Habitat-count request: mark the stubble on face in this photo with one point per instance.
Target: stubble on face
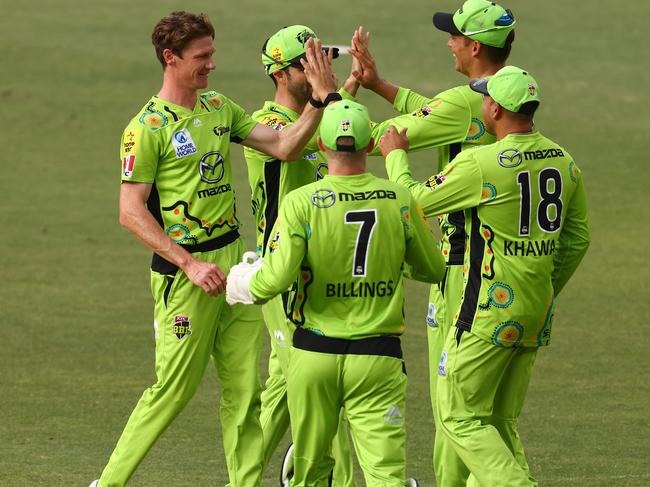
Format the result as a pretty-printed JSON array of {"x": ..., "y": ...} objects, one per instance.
[{"x": 298, "y": 86}]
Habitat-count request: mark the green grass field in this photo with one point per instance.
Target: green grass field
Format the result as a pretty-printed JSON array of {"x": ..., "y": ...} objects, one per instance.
[{"x": 77, "y": 342}]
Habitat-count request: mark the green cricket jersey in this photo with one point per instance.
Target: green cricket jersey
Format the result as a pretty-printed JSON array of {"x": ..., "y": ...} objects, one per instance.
[
  {"x": 526, "y": 213},
  {"x": 345, "y": 238},
  {"x": 185, "y": 155},
  {"x": 271, "y": 179},
  {"x": 452, "y": 121}
]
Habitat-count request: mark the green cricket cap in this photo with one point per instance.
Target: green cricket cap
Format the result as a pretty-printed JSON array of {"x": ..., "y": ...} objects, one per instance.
[
  {"x": 287, "y": 47},
  {"x": 345, "y": 119},
  {"x": 480, "y": 20},
  {"x": 511, "y": 87}
]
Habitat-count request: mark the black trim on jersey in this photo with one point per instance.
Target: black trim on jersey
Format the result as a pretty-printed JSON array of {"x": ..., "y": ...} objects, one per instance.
[
  {"x": 473, "y": 286},
  {"x": 441, "y": 286},
  {"x": 204, "y": 105},
  {"x": 457, "y": 239},
  {"x": 272, "y": 171},
  {"x": 454, "y": 150},
  {"x": 459, "y": 334},
  {"x": 235, "y": 139},
  {"x": 457, "y": 219},
  {"x": 385, "y": 346},
  {"x": 168, "y": 287},
  {"x": 173, "y": 114},
  {"x": 163, "y": 266}
]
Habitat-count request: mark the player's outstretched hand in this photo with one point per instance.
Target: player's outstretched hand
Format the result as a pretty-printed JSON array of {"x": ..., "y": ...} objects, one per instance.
[
  {"x": 392, "y": 140},
  {"x": 239, "y": 278},
  {"x": 367, "y": 73},
  {"x": 207, "y": 276},
  {"x": 318, "y": 70}
]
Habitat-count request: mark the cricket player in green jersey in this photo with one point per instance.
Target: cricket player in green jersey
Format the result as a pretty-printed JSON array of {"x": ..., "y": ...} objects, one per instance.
[
  {"x": 270, "y": 180},
  {"x": 481, "y": 36},
  {"x": 526, "y": 218},
  {"x": 177, "y": 197},
  {"x": 344, "y": 239}
]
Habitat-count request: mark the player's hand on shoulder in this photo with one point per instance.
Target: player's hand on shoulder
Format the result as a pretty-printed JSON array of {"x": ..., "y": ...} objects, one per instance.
[
  {"x": 207, "y": 276},
  {"x": 318, "y": 70},
  {"x": 392, "y": 140}
]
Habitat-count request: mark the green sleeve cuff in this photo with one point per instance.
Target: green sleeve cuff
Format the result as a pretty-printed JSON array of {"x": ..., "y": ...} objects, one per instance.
[{"x": 400, "y": 99}]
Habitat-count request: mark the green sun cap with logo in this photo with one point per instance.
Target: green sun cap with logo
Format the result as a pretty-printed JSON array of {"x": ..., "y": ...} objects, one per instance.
[
  {"x": 480, "y": 20},
  {"x": 345, "y": 119},
  {"x": 511, "y": 87},
  {"x": 287, "y": 47}
]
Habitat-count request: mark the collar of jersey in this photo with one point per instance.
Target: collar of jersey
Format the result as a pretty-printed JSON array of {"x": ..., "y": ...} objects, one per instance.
[
  {"x": 179, "y": 108},
  {"x": 288, "y": 113},
  {"x": 356, "y": 178}
]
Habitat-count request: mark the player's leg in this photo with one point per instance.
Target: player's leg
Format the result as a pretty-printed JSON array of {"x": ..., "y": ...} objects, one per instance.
[
  {"x": 185, "y": 329},
  {"x": 274, "y": 417},
  {"x": 471, "y": 371},
  {"x": 314, "y": 398},
  {"x": 236, "y": 354},
  {"x": 449, "y": 469},
  {"x": 509, "y": 401},
  {"x": 375, "y": 400},
  {"x": 343, "y": 474}
]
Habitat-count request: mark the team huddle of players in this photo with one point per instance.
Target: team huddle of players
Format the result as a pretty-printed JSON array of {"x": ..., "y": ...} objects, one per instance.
[{"x": 334, "y": 245}]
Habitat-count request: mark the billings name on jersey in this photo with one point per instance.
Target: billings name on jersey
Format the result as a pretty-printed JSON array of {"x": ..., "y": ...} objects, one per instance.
[{"x": 360, "y": 289}]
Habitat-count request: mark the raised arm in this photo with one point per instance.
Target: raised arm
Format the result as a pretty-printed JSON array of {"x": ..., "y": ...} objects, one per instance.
[
  {"x": 289, "y": 143},
  {"x": 458, "y": 187}
]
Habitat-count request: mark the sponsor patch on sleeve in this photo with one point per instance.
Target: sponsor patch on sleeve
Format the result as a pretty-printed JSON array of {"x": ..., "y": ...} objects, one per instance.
[{"x": 128, "y": 163}]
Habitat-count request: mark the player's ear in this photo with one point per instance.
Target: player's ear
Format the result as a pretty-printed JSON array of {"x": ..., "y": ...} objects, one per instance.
[
  {"x": 371, "y": 145},
  {"x": 168, "y": 57},
  {"x": 280, "y": 77},
  {"x": 319, "y": 141},
  {"x": 477, "y": 47}
]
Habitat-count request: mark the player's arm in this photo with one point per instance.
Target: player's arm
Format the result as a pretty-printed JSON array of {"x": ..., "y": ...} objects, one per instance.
[
  {"x": 288, "y": 144},
  {"x": 135, "y": 216},
  {"x": 422, "y": 251},
  {"x": 445, "y": 121},
  {"x": 284, "y": 254},
  {"x": 574, "y": 238},
  {"x": 458, "y": 187}
]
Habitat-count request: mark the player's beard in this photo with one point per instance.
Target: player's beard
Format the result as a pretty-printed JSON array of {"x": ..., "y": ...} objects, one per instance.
[{"x": 301, "y": 92}]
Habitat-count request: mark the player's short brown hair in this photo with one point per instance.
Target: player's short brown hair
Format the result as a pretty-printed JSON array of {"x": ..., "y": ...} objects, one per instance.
[
  {"x": 499, "y": 55},
  {"x": 177, "y": 30}
]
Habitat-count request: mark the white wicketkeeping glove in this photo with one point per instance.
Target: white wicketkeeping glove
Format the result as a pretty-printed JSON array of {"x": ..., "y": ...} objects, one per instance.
[{"x": 240, "y": 277}]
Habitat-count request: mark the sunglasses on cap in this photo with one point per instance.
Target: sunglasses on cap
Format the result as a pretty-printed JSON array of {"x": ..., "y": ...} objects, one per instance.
[{"x": 506, "y": 20}]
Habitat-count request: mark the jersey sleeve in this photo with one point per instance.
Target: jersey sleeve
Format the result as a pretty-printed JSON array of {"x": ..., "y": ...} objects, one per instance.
[
  {"x": 408, "y": 101},
  {"x": 422, "y": 251},
  {"x": 442, "y": 121},
  {"x": 457, "y": 187},
  {"x": 139, "y": 153},
  {"x": 574, "y": 238},
  {"x": 242, "y": 123},
  {"x": 284, "y": 254}
]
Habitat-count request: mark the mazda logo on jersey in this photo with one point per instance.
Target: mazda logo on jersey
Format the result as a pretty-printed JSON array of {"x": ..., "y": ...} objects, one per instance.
[
  {"x": 211, "y": 167},
  {"x": 323, "y": 198},
  {"x": 509, "y": 158}
]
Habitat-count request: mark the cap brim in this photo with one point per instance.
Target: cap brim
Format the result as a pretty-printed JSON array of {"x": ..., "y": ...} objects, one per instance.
[
  {"x": 445, "y": 22},
  {"x": 479, "y": 85}
]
